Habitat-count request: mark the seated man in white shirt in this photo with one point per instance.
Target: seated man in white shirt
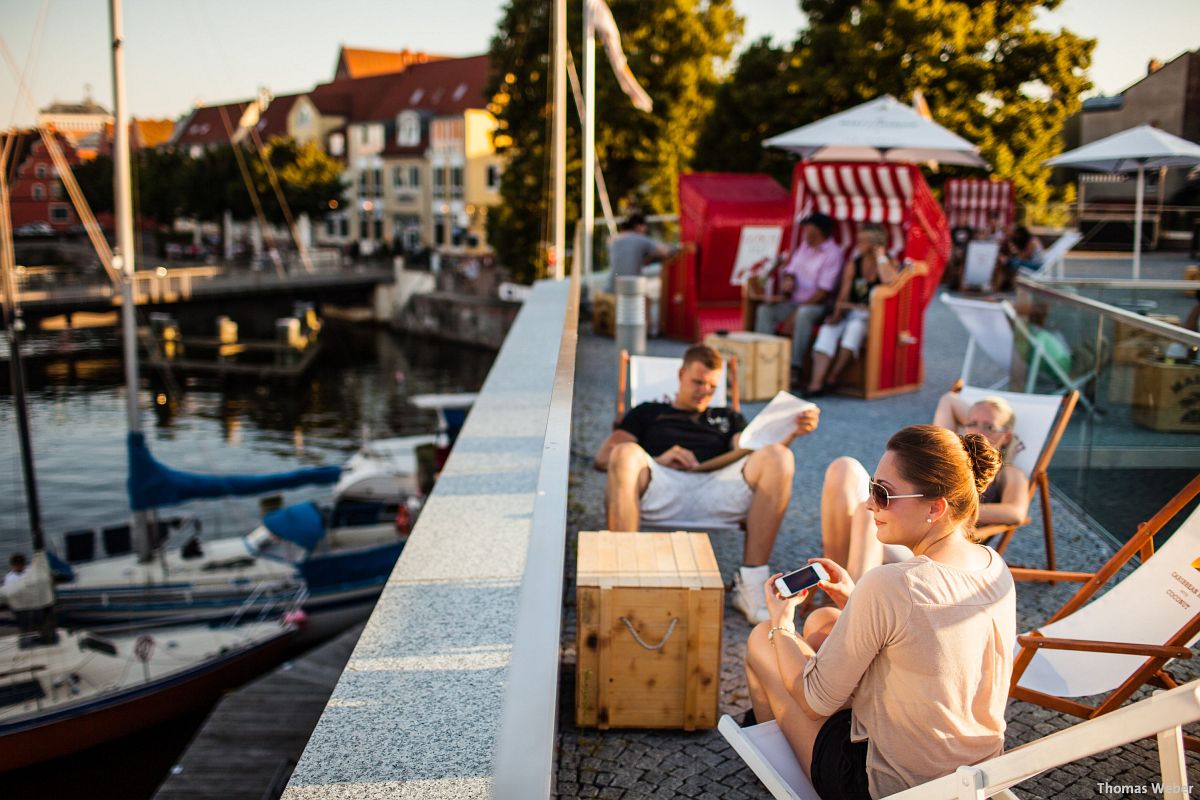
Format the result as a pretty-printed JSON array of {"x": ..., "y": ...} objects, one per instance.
[
  {"x": 651, "y": 459},
  {"x": 16, "y": 570}
]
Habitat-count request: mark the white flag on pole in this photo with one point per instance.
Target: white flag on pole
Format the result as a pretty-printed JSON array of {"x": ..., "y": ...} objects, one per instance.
[{"x": 606, "y": 30}]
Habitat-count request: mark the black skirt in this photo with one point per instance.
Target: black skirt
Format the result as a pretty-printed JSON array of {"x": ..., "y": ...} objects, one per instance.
[{"x": 839, "y": 766}]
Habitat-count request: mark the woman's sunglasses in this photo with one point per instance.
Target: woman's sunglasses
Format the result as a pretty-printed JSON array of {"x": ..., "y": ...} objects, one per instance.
[
  {"x": 981, "y": 426},
  {"x": 879, "y": 494}
]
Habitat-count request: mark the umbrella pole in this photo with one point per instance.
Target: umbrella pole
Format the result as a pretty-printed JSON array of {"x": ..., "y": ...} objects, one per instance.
[
  {"x": 588, "y": 210},
  {"x": 1137, "y": 223}
]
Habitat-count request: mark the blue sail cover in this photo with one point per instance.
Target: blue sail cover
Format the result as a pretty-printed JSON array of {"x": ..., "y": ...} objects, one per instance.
[
  {"x": 303, "y": 524},
  {"x": 152, "y": 485}
]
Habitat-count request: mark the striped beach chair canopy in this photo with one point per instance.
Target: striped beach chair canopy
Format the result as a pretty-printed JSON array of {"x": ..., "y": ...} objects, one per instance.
[
  {"x": 893, "y": 195},
  {"x": 971, "y": 202}
]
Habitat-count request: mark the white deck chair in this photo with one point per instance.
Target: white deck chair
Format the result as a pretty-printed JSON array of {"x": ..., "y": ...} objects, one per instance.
[
  {"x": 1041, "y": 421},
  {"x": 766, "y": 751},
  {"x": 992, "y": 326},
  {"x": 1121, "y": 640},
  {"x": 1054, "y": 256},
  {"x": 656, "y": 379},
  {"x": 979, "y": 264}
]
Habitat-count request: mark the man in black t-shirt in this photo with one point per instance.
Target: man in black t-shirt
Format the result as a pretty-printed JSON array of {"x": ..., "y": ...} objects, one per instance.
[{"x": 652, "y": 459}]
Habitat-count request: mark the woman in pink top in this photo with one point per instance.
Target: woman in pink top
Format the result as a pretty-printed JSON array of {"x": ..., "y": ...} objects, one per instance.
[{"x": 907, "y": 678}]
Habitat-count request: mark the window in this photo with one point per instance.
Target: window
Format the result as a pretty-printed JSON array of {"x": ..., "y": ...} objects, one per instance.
[
  {"x": 39, "y": 192},
  {"x": 56, "y": 191},
  {"x": 493, "y": 177},
  {"x": 302, "y": 115},
  {"x": 40, "y": 170},
  {"x": 456, "y": 183},
  {"x": 59, "y": 213},
  {"x": 378, "y": 175},
  {"x": 439, "y": 182},
  {"x": 408, "y": 129},
  {"x": 345, "y": 225},
  {"x": 337, "y": 144},
  {"x": 398, "y": 174},
  {"x": 439, "y": 229},
  {"x": 379, "y": 229},
  {"x": 330, "y": 226},
  {"x": 365, "y": 133},
  {"x": 364, "y": 189},
  {"x": 414, "y": 177},
  {"x": 364, "y": 228},
  {"x": 459, "y": 91}
]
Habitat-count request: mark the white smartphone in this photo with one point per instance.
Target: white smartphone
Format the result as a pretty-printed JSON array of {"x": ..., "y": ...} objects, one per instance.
[{"x": 803, "y": 578}]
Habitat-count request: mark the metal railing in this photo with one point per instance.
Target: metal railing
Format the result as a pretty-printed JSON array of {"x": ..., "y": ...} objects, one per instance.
[{"x": 524, "y": 761}]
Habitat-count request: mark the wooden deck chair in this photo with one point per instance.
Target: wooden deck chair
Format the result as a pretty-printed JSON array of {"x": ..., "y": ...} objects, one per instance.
[
  {"x": 655, "y": 378},
  {"x": 1121, "y": 640},
  {"x": 992, "y": 326},
  {"x": 980, "y": 263},
  {"x": 1054, "y": 256},
  {"x": 1041, "y": 421},
  {"x": 768, "y": 754}
]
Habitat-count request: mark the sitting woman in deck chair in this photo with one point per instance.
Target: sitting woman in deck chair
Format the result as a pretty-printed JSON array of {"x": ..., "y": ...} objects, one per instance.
[
  {"x": 848, "y": 533},
  {"x": 841, "y": 336},
  {"x": 907, "y": 678}
]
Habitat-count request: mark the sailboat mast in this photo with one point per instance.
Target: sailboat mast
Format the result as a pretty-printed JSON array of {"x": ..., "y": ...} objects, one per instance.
[
  {"x": 13, "y": 325},
  {"x": 125, "y": 257}
]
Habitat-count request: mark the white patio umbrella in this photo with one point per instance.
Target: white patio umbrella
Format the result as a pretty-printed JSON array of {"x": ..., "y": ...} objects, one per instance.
[
  {"x": 1127, "y": 151},
  {"x": 883, "y": 129}
]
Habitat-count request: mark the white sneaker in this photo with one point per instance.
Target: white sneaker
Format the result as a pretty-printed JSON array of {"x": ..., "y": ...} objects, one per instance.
[{"x": 748, "y": 595}]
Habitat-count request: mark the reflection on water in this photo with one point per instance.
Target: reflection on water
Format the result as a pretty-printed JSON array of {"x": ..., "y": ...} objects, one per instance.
[{"x": 359, "y": 388}]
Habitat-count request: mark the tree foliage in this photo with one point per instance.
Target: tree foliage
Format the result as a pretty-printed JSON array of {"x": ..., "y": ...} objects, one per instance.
[
  {"x": 676, "y": 48},
  {"x": 986, "y": 71},
  {"x": 168, "y": 184}
]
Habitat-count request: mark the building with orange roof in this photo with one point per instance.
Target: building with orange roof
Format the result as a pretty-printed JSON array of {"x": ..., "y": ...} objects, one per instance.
[
  {"x": 421, "y": 167},
  {"x": 360, "y": 62}
]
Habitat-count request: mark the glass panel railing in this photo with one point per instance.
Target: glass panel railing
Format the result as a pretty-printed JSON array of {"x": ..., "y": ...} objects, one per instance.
[{"x": 1134, "y": 440}]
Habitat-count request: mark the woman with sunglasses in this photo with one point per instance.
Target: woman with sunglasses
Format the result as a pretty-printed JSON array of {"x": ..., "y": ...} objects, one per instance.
[
  {"x": 907, "y": 678},
  {"x": 848, "y": 533}
]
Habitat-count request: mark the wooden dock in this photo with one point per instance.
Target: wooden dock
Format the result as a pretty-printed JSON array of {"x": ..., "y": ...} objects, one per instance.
[{"x": 251, "y": 741}]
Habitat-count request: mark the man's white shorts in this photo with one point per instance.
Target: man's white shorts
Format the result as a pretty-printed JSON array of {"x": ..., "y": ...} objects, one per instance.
[{"x": 717, "y": 499}]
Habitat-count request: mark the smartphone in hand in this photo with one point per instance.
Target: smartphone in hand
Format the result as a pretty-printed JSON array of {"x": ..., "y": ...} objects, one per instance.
[{"x": 804, "y": 578}]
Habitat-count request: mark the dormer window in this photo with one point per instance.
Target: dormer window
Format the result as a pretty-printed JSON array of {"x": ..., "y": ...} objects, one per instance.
[
  {"x": 417, "y": 94},
  {"x": 460, "y": 91},
  {"x": 408, "y": 129}
]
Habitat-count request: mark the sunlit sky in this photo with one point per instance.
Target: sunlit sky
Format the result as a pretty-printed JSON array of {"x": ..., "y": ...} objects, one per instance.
[{"x": 186, "y": 51}]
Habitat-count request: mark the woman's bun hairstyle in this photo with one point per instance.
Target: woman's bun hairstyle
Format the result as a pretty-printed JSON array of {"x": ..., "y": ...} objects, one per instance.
[{"x": 985, "y": 460}]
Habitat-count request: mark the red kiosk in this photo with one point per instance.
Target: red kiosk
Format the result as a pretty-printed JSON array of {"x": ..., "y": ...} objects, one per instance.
[{"x": 697, "y": 296}]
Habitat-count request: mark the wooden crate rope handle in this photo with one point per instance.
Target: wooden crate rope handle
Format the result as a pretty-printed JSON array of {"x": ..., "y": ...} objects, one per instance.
[{"x": 639, "y": 640}]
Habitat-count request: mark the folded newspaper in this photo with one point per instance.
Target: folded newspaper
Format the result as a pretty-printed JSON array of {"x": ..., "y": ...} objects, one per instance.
[{"x": 773, "y": 424}]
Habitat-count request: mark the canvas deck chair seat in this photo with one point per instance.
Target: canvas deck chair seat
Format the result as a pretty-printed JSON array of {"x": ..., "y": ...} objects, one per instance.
[
  {"x": 1041, "y": 420},
  {"x": 896, "y": 197},
  {"x": 768, "y": 754},
  {"x": 649, "y": 379},
  {"x": 993, "y": 327},
  {"x": 1113, "y": 644},
  {"x": 1055, "y": 255}
]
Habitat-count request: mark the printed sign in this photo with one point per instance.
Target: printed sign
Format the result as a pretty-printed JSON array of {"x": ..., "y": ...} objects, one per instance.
[{"x": 757, "y": 247}]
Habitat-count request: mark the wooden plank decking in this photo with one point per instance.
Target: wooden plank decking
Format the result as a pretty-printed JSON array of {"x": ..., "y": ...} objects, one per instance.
[{"x": 249, "y": 744}]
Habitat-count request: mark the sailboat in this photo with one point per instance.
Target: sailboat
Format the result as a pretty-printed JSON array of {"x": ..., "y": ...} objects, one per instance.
[{"x": 63, "y": 691}]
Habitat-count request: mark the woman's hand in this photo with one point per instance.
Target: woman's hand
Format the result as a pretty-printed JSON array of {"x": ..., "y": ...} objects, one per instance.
[
  {"x": 782, "y": 609},
  {"x": 839, "y": 586}
]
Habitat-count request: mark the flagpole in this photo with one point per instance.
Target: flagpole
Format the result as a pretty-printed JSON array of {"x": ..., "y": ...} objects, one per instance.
[
  {"x": 1137, "y": 222},
  {"x": 588, "y": 211},
  {"x": 560, "y": 137}
]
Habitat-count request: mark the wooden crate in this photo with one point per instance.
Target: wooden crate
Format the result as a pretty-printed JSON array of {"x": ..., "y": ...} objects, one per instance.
[
  {"x": 1166, "y": 397},
  {"x": 604, "y": 314},
  {"x": 666, "y": 588},
  {"x": 764, "y": 361}
]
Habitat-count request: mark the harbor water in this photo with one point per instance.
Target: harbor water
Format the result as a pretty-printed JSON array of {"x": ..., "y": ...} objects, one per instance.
[{"x": 357, "y": 389}]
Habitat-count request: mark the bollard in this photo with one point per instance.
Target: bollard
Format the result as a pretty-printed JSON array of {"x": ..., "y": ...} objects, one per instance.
[{"x": 631, "y": 314}]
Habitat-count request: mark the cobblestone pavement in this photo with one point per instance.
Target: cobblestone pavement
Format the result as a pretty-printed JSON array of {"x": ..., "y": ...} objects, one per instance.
[{"x": 634, "y": 764}]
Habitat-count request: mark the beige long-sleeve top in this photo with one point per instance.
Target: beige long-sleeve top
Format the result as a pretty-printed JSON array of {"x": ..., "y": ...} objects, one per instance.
[{"x": 924, "y": 650}]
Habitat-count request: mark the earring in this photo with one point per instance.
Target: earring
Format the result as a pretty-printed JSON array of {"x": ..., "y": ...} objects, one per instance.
[{"x": 929, "y": 519}]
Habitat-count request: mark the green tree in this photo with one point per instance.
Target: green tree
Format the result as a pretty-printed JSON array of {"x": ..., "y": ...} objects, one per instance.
[
  {"x": 676, "y": 48},
  {"x": 986, "y": 71},
  {"x": 307, "y": 176}
]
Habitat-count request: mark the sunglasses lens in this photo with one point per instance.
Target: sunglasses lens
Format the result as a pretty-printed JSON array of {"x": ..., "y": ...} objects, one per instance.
[{"x": 879, "y": 495}]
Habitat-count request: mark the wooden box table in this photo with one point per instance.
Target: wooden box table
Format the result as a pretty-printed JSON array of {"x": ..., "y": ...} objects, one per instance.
[
  {"x": 649, "y": 631},
  {"x": 764, "y": 361}
]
